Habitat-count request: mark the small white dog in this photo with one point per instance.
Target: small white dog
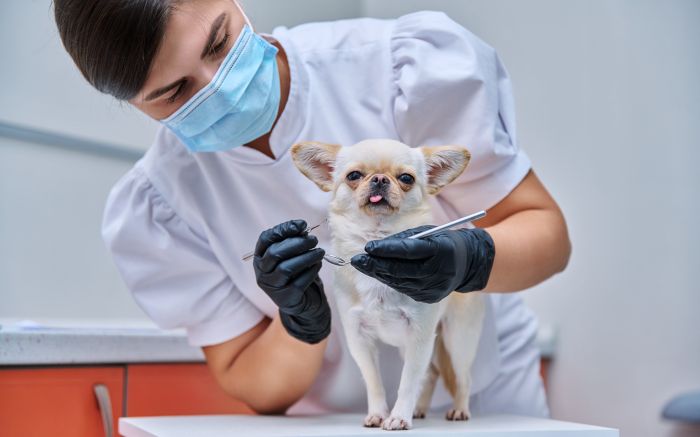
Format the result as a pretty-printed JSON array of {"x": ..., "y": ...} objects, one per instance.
[{"x": 433, "y": 339}]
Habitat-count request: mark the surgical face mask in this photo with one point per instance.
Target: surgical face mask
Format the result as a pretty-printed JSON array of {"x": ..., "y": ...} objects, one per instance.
[{"x": 240, "y": 103}]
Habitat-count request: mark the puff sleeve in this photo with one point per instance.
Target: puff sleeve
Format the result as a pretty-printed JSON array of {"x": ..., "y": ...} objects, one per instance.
[
  {"x": 451, "y": 88},
  {"x": 170, "y": 270}
]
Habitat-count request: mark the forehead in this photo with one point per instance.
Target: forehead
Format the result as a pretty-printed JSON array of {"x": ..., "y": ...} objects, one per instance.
[
  {"x": 185, "y": 36},
  {"x": 380, "y": 154}
]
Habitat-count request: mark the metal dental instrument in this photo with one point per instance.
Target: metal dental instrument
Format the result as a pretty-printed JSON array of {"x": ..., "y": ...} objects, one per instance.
[
  {"x": 459, "y": 221},
  {"x": 250, "y": 254},
  {"x": 338, "y": 261}
]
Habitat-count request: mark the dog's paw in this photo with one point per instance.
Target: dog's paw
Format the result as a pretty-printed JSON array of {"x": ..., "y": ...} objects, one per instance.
[
  {"x": 374, "y": 420},
  {"x": 419, "y": 413},
  {"x": 394, "y": 423},
  {"x": 456, "y": 414}
]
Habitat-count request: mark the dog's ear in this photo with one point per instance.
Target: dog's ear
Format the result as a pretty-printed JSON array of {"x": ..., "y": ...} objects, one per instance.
[
  {"x": 316, "y": 161},
  {"x": 444, "y": 164}
]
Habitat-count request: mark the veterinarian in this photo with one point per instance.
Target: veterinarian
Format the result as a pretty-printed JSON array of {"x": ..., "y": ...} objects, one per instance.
[{"x": 218, "y": 181}]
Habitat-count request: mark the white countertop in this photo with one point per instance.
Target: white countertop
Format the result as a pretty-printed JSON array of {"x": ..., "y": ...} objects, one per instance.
[
  {"x": 91, "y": 342},
  {"x": 349, "y": 425},
  {"x": 61, "y": 341}
]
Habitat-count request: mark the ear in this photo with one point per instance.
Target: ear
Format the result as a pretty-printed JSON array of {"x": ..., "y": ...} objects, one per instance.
[
  {"x": 444, "y": 164},
  {"x": 316, "y": 161}
]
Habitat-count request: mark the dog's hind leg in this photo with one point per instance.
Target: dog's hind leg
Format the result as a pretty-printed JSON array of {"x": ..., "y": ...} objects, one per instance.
[{"x": 461, "y": 329}]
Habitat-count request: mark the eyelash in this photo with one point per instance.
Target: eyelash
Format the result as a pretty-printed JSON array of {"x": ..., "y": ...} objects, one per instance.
[
  {"x": 217, "y": 48},
  {"x": 177, "y": 93},
  {"x": 214, "y": 50}
]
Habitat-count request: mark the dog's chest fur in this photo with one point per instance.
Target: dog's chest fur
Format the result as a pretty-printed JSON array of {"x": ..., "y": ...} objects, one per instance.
[
  {"x": 377, "y": 310},
  {"x": 382, "y": 312}
]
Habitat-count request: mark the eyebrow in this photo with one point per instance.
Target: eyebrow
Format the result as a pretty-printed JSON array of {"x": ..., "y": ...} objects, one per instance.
[
  {"x": 215, "y": 26},
  {"x": 160, "y": 91}
]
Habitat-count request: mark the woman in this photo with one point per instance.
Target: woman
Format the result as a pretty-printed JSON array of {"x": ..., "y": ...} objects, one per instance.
[{"x": 231, "y": 103}]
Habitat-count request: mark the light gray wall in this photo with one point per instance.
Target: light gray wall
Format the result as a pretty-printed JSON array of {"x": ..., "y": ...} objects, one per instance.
[
  {"x": 53, "y": 263},
  {"x": 41, "y": 87},
  {"x": 608, "y": 106},
  {"x": 267, "y": 14}
]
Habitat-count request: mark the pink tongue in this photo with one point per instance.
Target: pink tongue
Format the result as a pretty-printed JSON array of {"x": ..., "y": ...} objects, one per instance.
[{"x": 376, "y": 198}]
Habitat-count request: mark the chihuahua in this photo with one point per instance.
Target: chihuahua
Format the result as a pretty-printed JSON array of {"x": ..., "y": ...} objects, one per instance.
[{"x": 381, "y": 187}]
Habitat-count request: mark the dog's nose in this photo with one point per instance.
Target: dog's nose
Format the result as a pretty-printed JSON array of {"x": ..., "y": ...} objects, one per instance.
[{"x": 379, "y": 180}]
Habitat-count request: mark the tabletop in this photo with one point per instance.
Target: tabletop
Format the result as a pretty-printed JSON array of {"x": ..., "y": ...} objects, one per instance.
[{"x": 349, "y": 425}]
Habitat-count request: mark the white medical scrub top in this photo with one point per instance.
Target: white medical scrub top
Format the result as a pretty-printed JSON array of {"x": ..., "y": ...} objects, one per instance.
[{"x": 178, "y": 223}]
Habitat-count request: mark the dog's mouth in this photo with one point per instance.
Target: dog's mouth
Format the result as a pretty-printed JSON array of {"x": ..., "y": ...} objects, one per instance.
[
  {"x": 377, "y": 202},
  {"x": 376, "y": 198}
]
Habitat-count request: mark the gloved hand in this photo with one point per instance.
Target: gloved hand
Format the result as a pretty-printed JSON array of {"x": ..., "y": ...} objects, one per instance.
[
  {"x": 430, "y": 268},
  {"x": 286, "y": 268}
]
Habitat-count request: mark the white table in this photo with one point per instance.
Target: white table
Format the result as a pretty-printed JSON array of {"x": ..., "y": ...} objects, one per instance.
[{"x": 349, "y": 425}]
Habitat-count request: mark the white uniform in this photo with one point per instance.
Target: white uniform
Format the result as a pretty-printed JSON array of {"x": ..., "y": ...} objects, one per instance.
[{"x": 177, "y": 224}]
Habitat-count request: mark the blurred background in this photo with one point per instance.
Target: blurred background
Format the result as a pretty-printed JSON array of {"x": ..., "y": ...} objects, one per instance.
[{"x": 608, "y": 107}]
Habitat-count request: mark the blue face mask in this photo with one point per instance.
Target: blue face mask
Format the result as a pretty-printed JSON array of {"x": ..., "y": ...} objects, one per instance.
[{"x": 239, "y": 105}]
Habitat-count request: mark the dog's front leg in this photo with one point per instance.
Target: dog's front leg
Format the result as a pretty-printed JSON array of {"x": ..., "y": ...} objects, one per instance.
[
  {"x": 418, "y": 352},
  {"x": 363, "y": 349}
]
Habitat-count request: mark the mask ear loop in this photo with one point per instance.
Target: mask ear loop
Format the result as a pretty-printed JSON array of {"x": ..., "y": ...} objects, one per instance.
[{"x": 247, "y": 21}]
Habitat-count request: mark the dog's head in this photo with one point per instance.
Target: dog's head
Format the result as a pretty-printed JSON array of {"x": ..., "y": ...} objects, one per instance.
[{"x": 380, "y": 177}]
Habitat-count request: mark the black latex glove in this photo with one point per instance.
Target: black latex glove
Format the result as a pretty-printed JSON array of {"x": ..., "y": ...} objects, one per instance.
[
  {"x": 430, "y": 268},
  {"x": 286, "y": 267}
]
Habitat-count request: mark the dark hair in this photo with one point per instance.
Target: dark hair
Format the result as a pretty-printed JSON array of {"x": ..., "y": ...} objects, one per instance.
[{"x": 113, "y": 42}]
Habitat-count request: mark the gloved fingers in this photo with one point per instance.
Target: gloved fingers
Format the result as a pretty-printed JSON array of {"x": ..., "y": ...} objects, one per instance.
[
  {"x": 403, "y": 248},
  {"x": 286, "y": 298},
  {"x": 306, "y": 278},
  {"x": 371, "y": 245},
  {"x": 398, "y": 269},
  {"x": 278, "y": 233},
  {"x": 413, "y": 231},
  {"x": 363, "y": 263},
  {"x": 285, "y": 249},
  {"x": 292, "y": 293},
  {"x": 313, "y": 301},
  {"x": 290, "y": 268}
]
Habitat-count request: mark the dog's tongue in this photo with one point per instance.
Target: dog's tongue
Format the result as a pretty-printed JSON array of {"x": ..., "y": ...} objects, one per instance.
[{"x": 376, "y": 198}]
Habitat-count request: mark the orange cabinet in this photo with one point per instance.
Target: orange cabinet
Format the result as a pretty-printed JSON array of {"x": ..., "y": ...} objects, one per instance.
[
  {"x": 171, "y": 389},
  {"x": 60, "y": 401},
  {"x": 57, "y": 401}
]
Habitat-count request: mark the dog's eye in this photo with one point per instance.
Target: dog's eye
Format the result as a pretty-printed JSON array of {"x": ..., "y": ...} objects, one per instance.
[
  {"x": 406, "y": 178},
  {"x": 353, "y": 176}
]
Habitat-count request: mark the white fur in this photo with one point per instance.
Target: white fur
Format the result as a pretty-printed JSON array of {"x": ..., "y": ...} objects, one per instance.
[{"x": 371, "y": 311}]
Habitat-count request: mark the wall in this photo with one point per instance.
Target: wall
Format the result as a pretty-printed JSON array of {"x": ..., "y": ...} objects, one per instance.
[
  {"x": 40, "y": 85},
  {"x": 267, "y": 14},
  {"x": 608, "y": 104},
  {"x": 52, "y": 259}
]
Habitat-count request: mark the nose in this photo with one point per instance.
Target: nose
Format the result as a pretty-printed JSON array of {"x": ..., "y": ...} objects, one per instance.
[
  {"x": 379, "y": 180},
  {"x": 207, "y": 72}
]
